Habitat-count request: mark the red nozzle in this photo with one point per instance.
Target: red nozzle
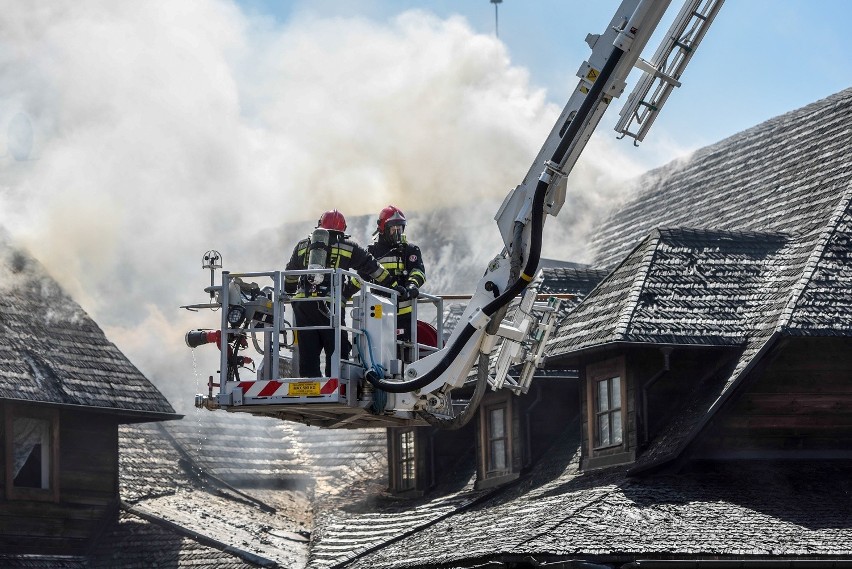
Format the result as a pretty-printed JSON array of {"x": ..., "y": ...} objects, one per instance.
[{"x": 195, "y": 338}]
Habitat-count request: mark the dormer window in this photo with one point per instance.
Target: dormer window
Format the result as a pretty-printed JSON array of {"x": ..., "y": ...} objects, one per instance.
[
  {"x": 500, "y": 454},
  {"x": 607, "y": 439},
  {"x": 408, "y": 460}
]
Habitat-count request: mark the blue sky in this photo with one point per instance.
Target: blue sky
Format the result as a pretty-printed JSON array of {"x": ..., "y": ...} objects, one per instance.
[{"x": 761, "y": 58}]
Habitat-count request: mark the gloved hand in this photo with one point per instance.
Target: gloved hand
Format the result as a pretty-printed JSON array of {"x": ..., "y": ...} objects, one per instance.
[
  {"x": 401, "y": 291},
  {"x": 413, "y": 291}
]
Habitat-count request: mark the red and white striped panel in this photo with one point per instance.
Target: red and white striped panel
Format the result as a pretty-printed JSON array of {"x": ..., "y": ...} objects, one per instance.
[{"x": 273, "y": 388}]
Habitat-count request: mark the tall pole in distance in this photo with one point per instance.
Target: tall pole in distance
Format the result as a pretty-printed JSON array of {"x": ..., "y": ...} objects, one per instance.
[{"x": 496, "y": 23}]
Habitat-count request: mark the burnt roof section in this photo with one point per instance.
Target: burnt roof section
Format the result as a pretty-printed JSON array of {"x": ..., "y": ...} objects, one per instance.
[
  {"x": 135, "y": 542},
  {"x": 179, "y": 496},
  {"x": 53, "y": 352}
]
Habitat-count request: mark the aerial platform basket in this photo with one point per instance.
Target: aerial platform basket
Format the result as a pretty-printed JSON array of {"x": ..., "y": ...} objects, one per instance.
[{"x": 255, "y": 315}]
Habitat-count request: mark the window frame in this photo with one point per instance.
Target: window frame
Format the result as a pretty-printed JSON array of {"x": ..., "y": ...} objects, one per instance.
[
  {"x": 51, "y": 493},
  {"x": 615, "y": 384},
  {"x": 405, "y": 462},
  {"x": 595, "y": 372},
  {"x": 487, "y": 440}
]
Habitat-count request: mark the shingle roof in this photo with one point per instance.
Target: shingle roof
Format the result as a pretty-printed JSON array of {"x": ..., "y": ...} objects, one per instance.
[
  {"x": 784, "y": 175},
  {"x": 135, "y": 543},
  {"x": 571, "y": 280},
  {"x": 822, "y": 304},
  {"x": 42, "y": 562},
  {"x": 720, "y": 511},
  {"x": 679, "y": 286},
  {"x": 53, "y": 352},
  {"x": 346, "y": 530}
]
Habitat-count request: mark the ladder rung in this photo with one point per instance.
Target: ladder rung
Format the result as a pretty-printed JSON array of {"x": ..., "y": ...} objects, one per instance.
[{"x": 683, "y": 46}]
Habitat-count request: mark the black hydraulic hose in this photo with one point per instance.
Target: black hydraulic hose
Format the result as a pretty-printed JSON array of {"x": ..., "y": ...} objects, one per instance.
[
  {"x": 469, "y": 411},
  {"x": 537, "y": 225},
  {"x": 489, "y": 309},
  {"x": 589, "y": 103}
]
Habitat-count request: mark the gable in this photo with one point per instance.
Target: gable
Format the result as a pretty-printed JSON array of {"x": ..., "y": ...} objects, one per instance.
[{"x": 53, "y": 352}]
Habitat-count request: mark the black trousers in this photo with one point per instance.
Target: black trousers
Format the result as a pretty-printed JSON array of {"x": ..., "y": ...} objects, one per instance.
[{"x": 312, "y": 342}]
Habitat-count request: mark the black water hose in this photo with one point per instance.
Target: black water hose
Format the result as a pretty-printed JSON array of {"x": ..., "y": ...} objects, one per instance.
[{"x": 537, "y": 225}]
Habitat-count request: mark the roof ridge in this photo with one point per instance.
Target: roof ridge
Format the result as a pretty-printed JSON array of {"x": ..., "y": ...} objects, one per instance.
[
  {"x": 816, "y": 255},
  {"x": 705, "y": 231},
  {"x": 638, "y": 284}
]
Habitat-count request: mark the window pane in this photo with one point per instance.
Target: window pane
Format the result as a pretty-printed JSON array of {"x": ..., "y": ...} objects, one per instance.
[
  {"x": 603, "y": 397},
  {"x": 603, "y": 430},
  {"x": 615, "y": 393},
  {"x": 31, "y": 453},
  {"x": 497, "y": 419},
  {"x": 406, "y": 443},
  {"x": 497, "y": 440},
  {"x": 408, "y": 474},
  {"x": 616, "y": 427},
  {"x": 498, "y": 455},
  {"x": 407, "y": 465}
]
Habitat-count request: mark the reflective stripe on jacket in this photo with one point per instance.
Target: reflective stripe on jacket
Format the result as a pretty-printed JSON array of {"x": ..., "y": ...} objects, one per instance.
[
  {"x": 404, "y": 262},
  {"x": 343, "y": 254}
]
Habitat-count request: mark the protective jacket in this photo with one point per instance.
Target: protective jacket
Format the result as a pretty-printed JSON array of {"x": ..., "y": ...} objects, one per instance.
[{"x": 404, "y": 263}]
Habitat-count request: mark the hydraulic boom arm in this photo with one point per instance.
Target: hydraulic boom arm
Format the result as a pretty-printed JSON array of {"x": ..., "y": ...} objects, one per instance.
[{"x": 521, "y": 217}]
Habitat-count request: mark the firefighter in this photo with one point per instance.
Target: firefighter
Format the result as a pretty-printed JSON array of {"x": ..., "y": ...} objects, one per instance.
[
  {"x": 340, "y": 252},
  {"x": 402, "y": 260}
]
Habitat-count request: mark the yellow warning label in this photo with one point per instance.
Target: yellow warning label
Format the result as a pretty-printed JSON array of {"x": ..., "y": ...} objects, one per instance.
[
  {"x": 592, "y": 75},
  {"x": 376, "y": 311},
  {"x": 302, "y": 388}
]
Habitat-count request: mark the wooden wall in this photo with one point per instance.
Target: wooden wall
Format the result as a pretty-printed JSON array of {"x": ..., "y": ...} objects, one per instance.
[
  {"x": 799, "y": 406},
  {"x": 87, "y": 496}
]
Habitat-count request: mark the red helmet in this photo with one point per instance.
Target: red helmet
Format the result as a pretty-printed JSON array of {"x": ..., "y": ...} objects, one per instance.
[
  {"x": 389, "y": 216},
  {"x": 332, "y": 220}
]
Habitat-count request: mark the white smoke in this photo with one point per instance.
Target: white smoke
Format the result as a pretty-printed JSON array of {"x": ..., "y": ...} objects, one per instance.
[{"x": 159, "y": 130}]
